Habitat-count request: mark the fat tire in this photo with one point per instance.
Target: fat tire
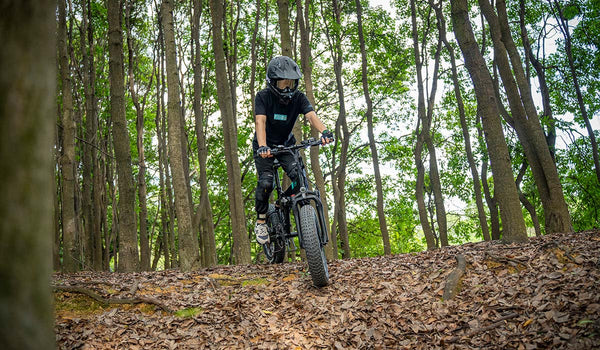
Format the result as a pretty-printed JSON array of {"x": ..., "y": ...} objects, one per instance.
[
  {"x": 275, "y": 249},
  {"x": 315, "y": 254}
]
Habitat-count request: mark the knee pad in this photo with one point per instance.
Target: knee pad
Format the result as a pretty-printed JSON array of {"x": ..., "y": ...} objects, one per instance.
[{"x": 265, "y": 184}]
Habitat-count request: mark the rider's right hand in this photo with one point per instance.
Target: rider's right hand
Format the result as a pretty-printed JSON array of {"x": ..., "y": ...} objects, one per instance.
[{"x": 264, "y": 151}]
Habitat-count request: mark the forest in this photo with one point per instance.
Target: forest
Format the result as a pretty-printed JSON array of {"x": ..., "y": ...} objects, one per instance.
[
  {"x": 454, "y": 121},
  {"x": 461, "y": 193}
]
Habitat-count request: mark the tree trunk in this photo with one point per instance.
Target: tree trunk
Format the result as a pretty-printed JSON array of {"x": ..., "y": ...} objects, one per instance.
[
  {"x": 189, "y": 258},
  {"x": 305, "y": 62},
  {"x": 526, "y": 203},
  {"x": 504, "y": 184},
  {"x": 284, "y": 27},
  {"x": 69, "y": 227},
  {"x": 27, "y": 100},
  {"x": 526, "y": 121},
  {"x": 241, "y": 243},
  {"x": 89, "y": 152},
  {"x": 541, "y": 75},
  {"x": 420, "y": 183},
  {"x": 128, "y": 242},
  {"x": 490, "y": 200},
  {"x": 564, "y": 27},
  {"x": 206, "y": 225},
  {"x": 342, "y": 134},
  {"x": 253, "y": 56},
  {"x": 139, "y": 111},
  {"x": 463, "y": 123},
  {"x": 378, "y": 183}
]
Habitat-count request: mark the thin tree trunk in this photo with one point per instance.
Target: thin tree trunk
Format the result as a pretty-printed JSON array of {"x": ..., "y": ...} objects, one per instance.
[
  {"x": 89, "y": 152},
  {"x": 305, "y": 62},
  {"x": 463, "y": 122},
  {"x": 504, "y": 184},
  {"x": 564, "y": 27},
  {"x": 420, "y": 183},
  {"x": 206, "y": 225},
  {"x": 378, "y": 183},
  {"x": 164, "y": 216},
  {"x": 526, "y": 203},
  {"x": 547, "y": 115},
  {"x": 27, "y": 100},
  {"x": 253, "y": 56},
  {"x": 97, "y": 170},
  {"x": 343, "y": 135},
  {"x": 69, "y": 227},
  {"x": 284, "y": 27},
  {"x": 139, "y": 109},
  {"x": 241, "y": 243},
  {"x": 189, "y": 258}
]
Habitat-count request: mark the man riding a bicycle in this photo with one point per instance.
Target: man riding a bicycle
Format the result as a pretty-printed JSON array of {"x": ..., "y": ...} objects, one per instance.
[{"x": 276, "y": 109}]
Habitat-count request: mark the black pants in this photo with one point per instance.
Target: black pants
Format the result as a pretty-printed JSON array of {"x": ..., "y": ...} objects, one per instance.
[{"x": 266, "y": 179}]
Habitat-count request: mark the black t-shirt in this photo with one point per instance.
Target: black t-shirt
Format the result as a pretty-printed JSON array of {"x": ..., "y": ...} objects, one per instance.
[{"x": 280, "y": 118}]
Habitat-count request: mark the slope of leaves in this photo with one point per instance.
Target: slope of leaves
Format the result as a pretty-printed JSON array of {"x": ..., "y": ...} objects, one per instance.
[{"x": 542, "y": 294}]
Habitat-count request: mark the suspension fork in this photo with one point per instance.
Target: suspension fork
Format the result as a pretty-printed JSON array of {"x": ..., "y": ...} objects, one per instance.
[{"x": 308, "y": 198}]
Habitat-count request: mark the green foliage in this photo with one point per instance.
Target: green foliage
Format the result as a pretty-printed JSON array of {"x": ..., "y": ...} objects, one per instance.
[{"x": 390, "y": 70}]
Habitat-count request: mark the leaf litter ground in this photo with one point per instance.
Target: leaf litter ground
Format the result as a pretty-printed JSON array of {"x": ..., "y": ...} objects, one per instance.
[{"x": 541, "y": 294}]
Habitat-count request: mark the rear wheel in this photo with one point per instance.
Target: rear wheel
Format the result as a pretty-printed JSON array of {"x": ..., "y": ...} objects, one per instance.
[
  {"x": 315, "y": 253},
  {"x": 275, "y": 249}
]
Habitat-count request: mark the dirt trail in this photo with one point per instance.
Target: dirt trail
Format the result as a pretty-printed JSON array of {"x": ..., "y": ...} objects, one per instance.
[{"x": 542, "y": 294}]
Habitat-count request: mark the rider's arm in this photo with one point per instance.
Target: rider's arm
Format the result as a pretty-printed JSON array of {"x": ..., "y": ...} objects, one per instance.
[
  {"x": 261, "y": 132},
  {"x": 317, "y": 124},
  {"x": 314, "y": 121},
  {"x": 261, "y": 129}
]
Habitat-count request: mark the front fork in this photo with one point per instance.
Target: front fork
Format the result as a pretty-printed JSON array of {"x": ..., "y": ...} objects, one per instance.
[{"x": 306, "y": 198}]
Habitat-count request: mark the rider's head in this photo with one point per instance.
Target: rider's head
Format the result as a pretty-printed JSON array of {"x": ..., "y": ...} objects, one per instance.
[{"x": 283, "y": 76}]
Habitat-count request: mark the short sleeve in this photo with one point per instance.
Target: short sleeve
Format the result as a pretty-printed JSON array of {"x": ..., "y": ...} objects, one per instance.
[
  {"x": 305, "y": 105},
  {"x": 260, "y": 105}
]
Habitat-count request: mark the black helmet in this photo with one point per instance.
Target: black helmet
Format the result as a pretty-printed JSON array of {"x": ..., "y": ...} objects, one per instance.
[{"x": 283, "y": 67}]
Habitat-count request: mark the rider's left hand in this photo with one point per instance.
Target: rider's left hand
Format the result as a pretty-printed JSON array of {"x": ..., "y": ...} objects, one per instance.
[{"x": 326, "y": 137}]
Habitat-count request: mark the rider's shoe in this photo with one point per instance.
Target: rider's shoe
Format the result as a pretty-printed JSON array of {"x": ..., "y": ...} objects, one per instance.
[{"x": 262, "y": 233}]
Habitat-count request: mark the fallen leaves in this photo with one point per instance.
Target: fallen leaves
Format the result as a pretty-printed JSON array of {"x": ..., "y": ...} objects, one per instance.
[{"x": 541, "y": 294}]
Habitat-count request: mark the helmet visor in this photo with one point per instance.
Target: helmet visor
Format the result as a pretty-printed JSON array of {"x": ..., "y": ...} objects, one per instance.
[{"x": 284, "y": 84}]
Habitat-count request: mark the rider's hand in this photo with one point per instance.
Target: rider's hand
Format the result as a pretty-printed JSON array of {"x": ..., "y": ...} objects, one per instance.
[
  {"x": 264, "y": 151},
  {"x": 326, "y": 137}
]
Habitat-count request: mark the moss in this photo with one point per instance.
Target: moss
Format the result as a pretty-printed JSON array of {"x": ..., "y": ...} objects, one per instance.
[
  {"x": 76, "y": 305},
  {"x": 189, "y": 312},
  {"x": 255, "y": 282}
]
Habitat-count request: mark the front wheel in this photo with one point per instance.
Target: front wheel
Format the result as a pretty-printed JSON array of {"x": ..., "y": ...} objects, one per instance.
[{"x": 315, "y": 253}]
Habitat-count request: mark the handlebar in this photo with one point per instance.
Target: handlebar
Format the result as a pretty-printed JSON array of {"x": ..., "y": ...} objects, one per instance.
[{"x": 311, "y": 142}]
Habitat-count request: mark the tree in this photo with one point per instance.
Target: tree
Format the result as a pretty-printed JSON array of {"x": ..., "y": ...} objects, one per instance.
[
  {"x": 204, "y": 211},
  {"x": 27, "y": 97},
  {"x": 526, "y": 121},
  {"x": 140, "y": 106},
  {"x": 441, "y": 22},
  {"x": 305, "y": 63},
  {"x": 504, "y": 185},
  {"x": 128, "y": 247},
  {"x": 563, "y": 22},
  {"x": 189, "y": 257},
  {"x": 424, "y": 137},
  {"x": 70, "y": 250},
  {"x": 241, "y": 243},
  {"x": 369, "y": 113}
]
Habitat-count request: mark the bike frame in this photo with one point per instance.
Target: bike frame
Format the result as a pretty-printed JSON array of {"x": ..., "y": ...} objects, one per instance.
[{"x": 303, "y": 197}]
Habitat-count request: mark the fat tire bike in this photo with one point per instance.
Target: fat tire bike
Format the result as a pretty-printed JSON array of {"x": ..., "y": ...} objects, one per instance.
[{"x": 307, "y": 209}]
